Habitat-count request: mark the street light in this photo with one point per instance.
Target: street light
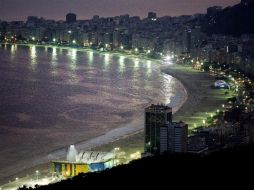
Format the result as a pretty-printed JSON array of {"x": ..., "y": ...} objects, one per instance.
[
  {"x": 33, "y": 38},
  {"x": 74, "y": 41},
  {"x": 54, "y": 40}
]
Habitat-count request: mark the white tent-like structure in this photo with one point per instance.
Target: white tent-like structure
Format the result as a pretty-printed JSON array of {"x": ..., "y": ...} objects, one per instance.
[{"x": 94, "y": 157}]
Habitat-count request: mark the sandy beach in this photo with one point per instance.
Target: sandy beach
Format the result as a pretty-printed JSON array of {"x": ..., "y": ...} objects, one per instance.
[
  {"x": 195, "y": 99},
  {"x": 201, "y": 99}
]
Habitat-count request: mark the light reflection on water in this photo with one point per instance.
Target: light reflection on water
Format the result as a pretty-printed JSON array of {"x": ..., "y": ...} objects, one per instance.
[
  {"x": 90, "y": 57},
  {"x": 136, "y": 64},
  {"x": 13, "y": 51},
  {"x": 121, "y": 64},
  {"x": 72, "y": 54},
  {"x": 33, "y": 56},
  {"x": 54, "y": 61},
  {"x": 149, "y": 67},
  {"x": 54, "y": 56}
]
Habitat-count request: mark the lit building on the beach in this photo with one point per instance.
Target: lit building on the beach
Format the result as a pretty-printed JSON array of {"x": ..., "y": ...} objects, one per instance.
[
  {"x": 156, "y": 116},
  {"x": 83, "y": 162}
]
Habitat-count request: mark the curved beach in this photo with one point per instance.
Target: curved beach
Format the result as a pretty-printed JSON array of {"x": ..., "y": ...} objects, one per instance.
[
  {"x": 122, "y": 129},
  {"x": 201, "y": 99}
]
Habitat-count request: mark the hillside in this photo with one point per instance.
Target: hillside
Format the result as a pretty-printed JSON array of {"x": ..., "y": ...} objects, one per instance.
[
  {"x": 236, "y": 20},
  {"x": 223, "y": 166}
]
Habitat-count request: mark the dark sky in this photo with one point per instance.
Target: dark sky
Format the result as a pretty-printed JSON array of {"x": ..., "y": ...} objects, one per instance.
[{"x": 85, "y": 9}]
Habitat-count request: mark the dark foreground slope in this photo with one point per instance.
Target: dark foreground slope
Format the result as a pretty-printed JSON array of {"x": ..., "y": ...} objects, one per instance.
[{"x": 179, "y": 169}]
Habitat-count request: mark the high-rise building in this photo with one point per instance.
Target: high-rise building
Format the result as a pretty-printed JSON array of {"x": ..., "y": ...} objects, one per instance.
[
  {"x": 96, "y": 18},
  {"x": 71, "y": 17},
  {"x": 187, "y": 41},
  {"x": 174, "y": 137},
  {"x": 116, "y": 38},
  {"x": 152, "y": 15},
  {"x": 156, "y": 116}
]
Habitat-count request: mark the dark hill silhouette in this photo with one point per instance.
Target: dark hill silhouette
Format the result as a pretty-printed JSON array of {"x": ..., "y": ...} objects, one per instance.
[
  {"x": 168, "y": 170},
  {"x": 236, "y": 20}
]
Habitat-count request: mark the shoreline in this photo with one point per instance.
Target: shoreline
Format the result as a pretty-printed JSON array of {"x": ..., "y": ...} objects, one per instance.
[
  {"x": 88, "y": 50},
  {"x": 124, "y": 131},
  {"x": 193, "y": 100}
]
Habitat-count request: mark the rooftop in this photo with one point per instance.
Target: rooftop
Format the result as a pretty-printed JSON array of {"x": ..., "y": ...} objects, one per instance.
[{"x": 158, "y": 108}]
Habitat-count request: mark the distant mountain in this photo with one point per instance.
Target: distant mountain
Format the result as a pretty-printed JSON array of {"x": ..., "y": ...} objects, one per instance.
[
  {"x": 236, "y": 20},
  {"x": 225, "y": 166}
]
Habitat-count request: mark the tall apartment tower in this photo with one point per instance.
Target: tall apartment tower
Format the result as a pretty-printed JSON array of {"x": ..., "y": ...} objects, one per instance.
[
  {"x": 174, "y": 137},
  {"x": 151, "y": 15},
  {"x": 71, "y": 17},
  {"x": 156, "y": 116}
]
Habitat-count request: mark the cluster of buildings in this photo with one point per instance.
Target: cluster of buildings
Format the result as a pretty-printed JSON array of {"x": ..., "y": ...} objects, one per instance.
[
  {"x": 182, "y": 36},
  {"x": 162, "y": 135}
]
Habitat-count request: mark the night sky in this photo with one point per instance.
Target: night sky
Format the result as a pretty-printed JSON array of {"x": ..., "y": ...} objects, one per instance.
[{"x": 85, "y": 9}]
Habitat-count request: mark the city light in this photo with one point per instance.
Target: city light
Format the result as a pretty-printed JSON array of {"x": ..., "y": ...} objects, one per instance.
[
  {"x": 119, "y": 63},
  {"x": 135, "y": 156},
  {"x": 168, "y": 59}
]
